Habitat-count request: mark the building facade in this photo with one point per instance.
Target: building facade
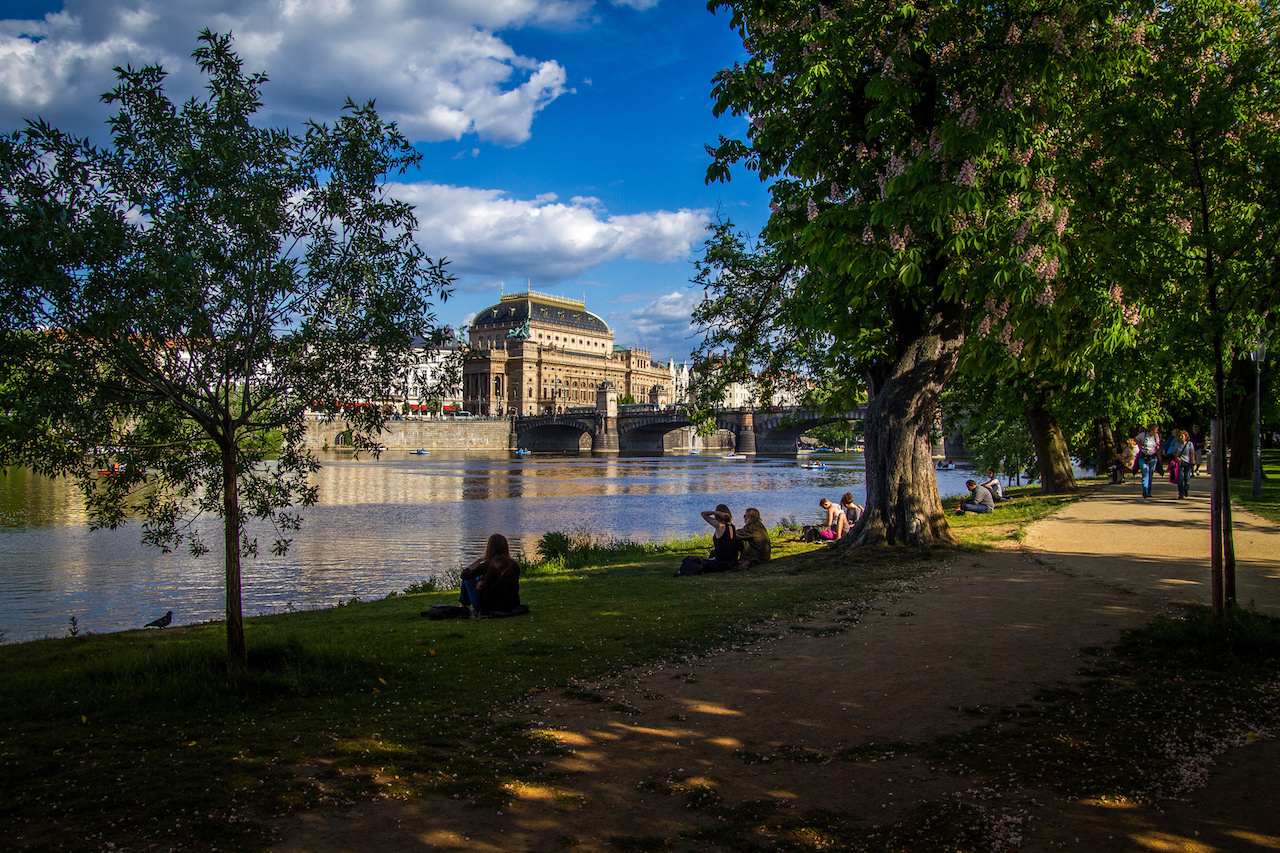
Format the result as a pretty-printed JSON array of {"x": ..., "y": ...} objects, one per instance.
[{"x": 535, "y": 353}]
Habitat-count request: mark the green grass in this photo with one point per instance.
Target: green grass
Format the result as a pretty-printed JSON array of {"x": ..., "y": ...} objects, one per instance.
[
  {"x": 141, "y": 738},
  {"x": 1267, "y": 504},
  {"x": 1011, "y": 518}
]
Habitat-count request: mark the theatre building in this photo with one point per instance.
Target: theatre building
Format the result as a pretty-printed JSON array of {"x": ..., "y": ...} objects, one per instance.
[{"x": 534, "y": 353}]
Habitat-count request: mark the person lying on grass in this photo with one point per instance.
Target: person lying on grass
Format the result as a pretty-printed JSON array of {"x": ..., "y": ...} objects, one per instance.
[
  {"x": 980, "y": 499},
  {"x": 492, "y": 583}
]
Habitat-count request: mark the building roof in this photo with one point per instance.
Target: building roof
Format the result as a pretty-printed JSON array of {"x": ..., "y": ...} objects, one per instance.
[{"x": 516, "y": 308}]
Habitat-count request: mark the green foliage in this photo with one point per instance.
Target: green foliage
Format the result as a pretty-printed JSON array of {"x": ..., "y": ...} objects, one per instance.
[
  {"x": 559, "y": 551},
  {"x": 1267, "y": 504}
]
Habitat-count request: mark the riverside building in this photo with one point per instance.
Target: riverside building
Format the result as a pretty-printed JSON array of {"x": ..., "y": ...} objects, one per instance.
[{"x": 536, "y": 353}]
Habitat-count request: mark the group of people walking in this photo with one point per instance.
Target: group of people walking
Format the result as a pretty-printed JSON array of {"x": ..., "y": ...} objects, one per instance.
[{"x": 1149, "y": 455}]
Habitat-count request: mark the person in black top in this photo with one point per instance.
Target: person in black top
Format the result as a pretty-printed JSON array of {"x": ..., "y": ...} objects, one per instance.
[
  {"x": 726, "y": 548},
  {"x": 492, "y": 583}
]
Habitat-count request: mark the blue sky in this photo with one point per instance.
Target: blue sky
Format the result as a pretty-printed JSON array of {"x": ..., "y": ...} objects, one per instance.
[{"x": 562, "y": 139}]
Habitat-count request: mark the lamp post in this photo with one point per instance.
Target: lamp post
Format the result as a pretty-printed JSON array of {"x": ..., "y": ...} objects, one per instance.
[{"x": 1259, "y": 355}]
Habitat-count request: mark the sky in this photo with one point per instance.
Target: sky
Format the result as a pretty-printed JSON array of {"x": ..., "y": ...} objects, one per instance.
[{"x": 562, "y": 140}]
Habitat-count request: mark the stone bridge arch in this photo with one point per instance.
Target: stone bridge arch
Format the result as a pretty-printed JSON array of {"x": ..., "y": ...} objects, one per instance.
[
  {"x": 778, "y": 431},
  {"x": 558, "y": 434}
]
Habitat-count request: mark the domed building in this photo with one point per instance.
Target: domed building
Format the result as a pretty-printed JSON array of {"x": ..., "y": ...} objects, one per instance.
[{"x": 535, "y": 353}]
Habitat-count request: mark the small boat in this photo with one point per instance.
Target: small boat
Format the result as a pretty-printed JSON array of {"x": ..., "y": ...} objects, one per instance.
[
  {"x": 813, "y": 466},
  {"x": 520, "y": 451},
  {"x": 736, "y": 457},
  {"x": 419, "y": 452}
]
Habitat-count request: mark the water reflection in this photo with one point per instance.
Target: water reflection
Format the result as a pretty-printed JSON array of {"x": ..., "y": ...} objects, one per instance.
[{"x": 381, "y": 525}]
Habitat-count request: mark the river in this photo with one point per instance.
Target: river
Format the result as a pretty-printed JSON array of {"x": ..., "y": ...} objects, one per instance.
[{"x": 380, "y": 526}]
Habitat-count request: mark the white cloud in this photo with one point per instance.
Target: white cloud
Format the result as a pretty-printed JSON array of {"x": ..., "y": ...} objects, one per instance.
[
  {"x": 437, "y": 68},
  {"x": 640, "y": 5},
  {"x": 663, "y": 325},
  {"x": 488, "y": 233}
]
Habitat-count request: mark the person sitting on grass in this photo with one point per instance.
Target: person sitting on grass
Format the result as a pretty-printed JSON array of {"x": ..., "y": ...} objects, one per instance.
[
  {"x": 754, "y": 536},
  {"x": 980, "y": 499},
  {"x": 492, "y": 583},
  {"x": 852, "y": 512},
  {"x": 725, "y": 544},
  {"x": 836, "y": 523},
  {"x": 992, "y": 484}
]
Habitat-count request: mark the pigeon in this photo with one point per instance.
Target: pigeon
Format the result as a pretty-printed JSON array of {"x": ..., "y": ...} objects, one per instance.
[{"x": 163, "y": 622}]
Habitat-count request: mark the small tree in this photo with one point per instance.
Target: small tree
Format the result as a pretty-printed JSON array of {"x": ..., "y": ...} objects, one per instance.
[{"x": 202, "y": 282}]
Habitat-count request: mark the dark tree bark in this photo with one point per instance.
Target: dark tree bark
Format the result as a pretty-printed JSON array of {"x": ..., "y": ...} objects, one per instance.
[
  {"x": 1053, "y": 460},
  {"x": 1106, "y": 445},
  {"x": 903, "y": 507},
  {"x": 1240, "y": 426},
  {"x": 237, "y": 656}
]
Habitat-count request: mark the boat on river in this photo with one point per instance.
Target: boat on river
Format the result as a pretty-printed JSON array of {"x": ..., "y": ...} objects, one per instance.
[
  {"x": 419, "y": 452},
  {"x": 521, "y": 451},
  {"x": 736, "y": 457},
  {"x": 813, "y": 466}
]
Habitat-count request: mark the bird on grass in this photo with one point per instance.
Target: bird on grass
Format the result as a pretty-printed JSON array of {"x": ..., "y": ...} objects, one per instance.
[{"x": 163, "y": 622}]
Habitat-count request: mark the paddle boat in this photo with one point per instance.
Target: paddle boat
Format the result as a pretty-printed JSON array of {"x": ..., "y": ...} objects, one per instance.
[
  {"x": 520, "y": 451},
  {"x": 735, "y": 457},
  {"x": 419, "y": 452},
  {"x": 813, "y": 466}
]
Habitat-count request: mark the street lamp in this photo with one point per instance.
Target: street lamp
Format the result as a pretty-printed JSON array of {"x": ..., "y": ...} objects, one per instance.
[{"x": 1259, "y": 355}]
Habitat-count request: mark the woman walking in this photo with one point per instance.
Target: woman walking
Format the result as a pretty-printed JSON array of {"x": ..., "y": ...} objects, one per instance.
[{"x": 1183, "y": 454}]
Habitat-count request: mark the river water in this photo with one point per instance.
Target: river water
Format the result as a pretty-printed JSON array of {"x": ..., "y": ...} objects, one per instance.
[{"x": 381, "y": 525}]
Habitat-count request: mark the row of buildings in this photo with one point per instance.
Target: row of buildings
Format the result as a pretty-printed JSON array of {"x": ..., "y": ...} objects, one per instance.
[{"x": 537, "y": 353}]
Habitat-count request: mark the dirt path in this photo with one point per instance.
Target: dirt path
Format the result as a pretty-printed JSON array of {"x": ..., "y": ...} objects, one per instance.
[{"x": 820, "y": 718}]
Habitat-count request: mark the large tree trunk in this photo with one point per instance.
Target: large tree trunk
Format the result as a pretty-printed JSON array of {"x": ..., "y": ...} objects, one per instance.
[
  {"x": 902, "y": 491},
  {"x": 1106, "y": 445},
  {"x": 1052, "y": 457},
  {"x": 1240, "y": 385},
  {"x": 237, "y": 657}
]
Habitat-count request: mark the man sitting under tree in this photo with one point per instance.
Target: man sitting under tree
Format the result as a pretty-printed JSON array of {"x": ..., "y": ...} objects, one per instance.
[{"x": 980, "y": 499}]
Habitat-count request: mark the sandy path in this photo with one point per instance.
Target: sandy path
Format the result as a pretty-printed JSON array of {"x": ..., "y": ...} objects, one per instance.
[{"x": 982, "y": 632}]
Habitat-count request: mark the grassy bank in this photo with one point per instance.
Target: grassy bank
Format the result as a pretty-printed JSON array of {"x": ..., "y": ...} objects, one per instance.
[
  {"x": 1267, "y": 504},
  {"x": 140, "y": 739}
]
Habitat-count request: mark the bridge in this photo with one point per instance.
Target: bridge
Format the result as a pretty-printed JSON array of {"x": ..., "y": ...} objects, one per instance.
[{"x": 610, "y": 429}]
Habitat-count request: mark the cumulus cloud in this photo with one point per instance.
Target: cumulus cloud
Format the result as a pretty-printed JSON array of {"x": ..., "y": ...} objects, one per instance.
[
  {"x": 640, "y": 5},
  {"x": 437, "y": 68},
  {"x": 489, "y": 233},
  {"x": 663, "y": 325}
]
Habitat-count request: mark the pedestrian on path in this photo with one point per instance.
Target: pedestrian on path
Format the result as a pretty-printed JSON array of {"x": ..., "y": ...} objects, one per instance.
[
  {"x": 1148, "y": 456},
  {"x": 1183, "y": 454}
]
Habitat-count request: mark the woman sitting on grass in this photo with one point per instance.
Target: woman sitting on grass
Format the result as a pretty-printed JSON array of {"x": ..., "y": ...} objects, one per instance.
[
  {"x": 756, "y": 547},
  {"x": 852, "y": 511},
  {"x": 492, "y": 583},
  {"x": 836, "y": 524},
  {"x": 725, "y": 545}
]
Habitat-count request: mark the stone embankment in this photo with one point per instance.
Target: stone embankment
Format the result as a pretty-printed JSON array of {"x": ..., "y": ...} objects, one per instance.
[
  {"x": 461, "y": 434},
  {"x": 479, "y": 434}
]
